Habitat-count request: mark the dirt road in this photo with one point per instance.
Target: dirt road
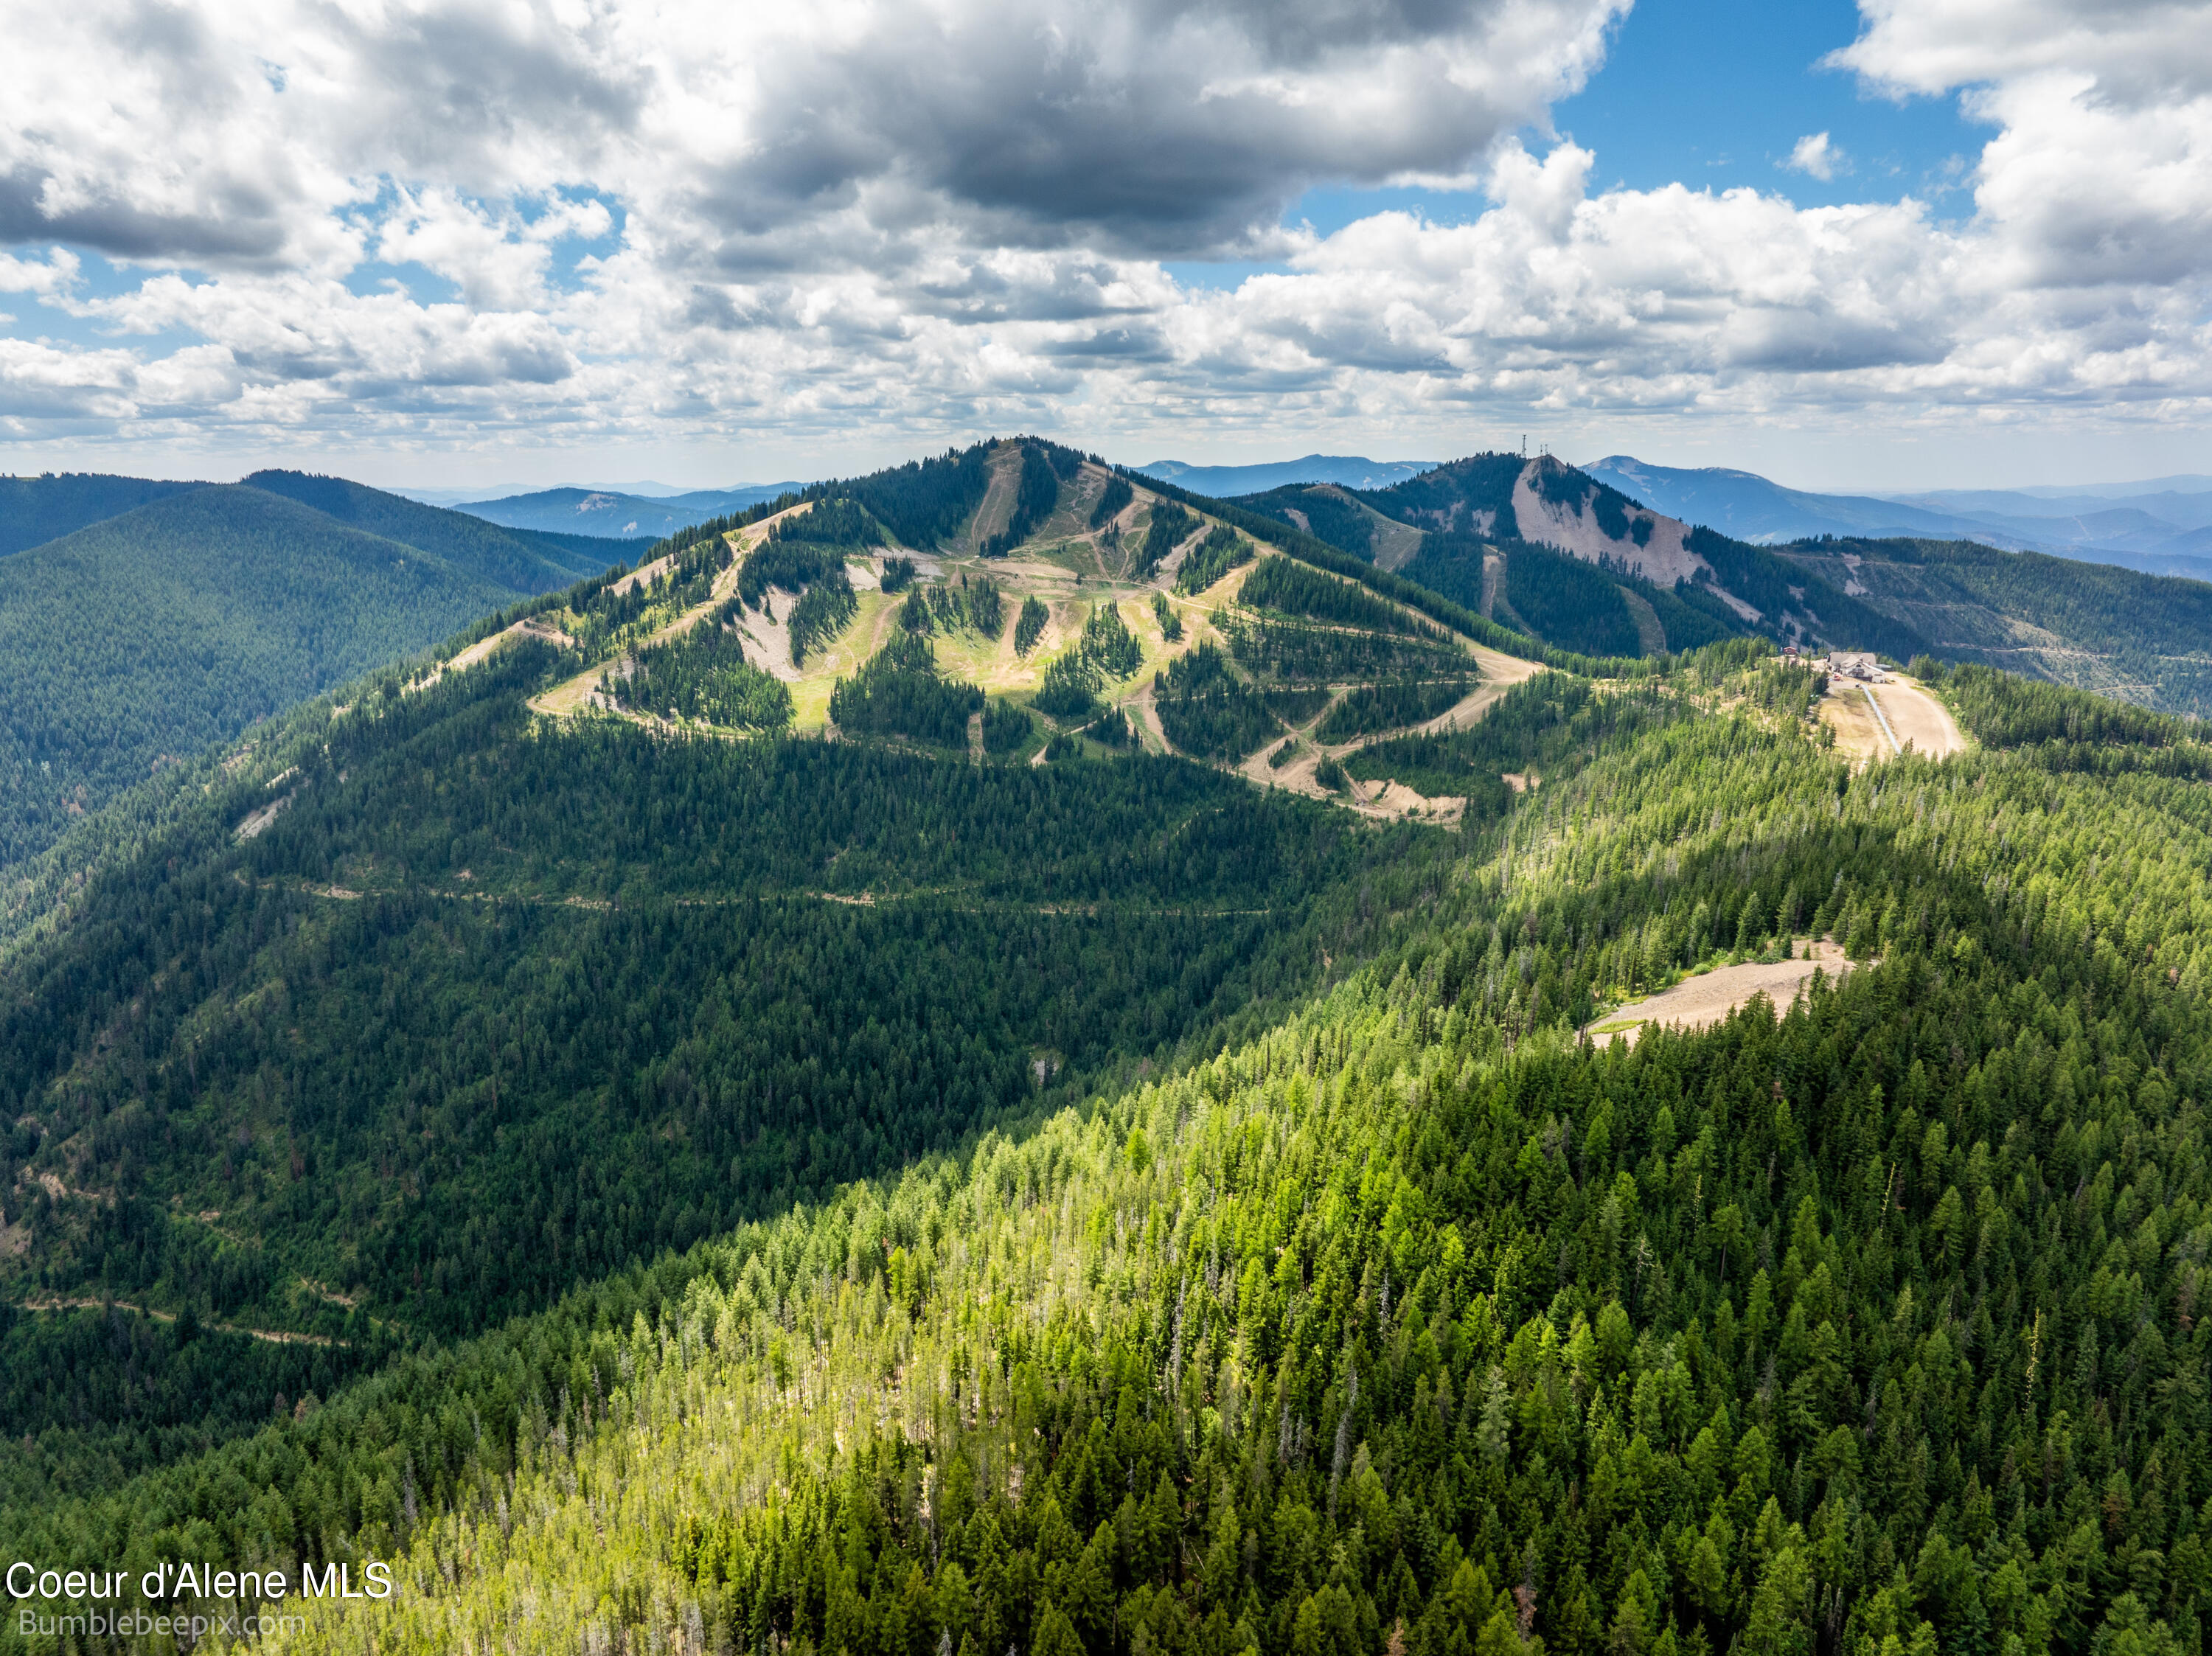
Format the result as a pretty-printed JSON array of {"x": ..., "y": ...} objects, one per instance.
[
  {"x": 1868, "y": 719},
  {"x": 1921, "y": 723}
]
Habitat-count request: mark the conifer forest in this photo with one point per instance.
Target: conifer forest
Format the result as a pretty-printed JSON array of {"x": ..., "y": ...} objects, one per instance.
[{"x": 1001, "y": 1058}]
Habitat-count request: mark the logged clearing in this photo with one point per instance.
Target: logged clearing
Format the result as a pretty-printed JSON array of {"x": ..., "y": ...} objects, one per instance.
[
  {"x": 1396, "y": 544},
  {"x": 1649, "y": 634},
  {"x": 998, "y": 508},
  {"x": 482, "y": 648},
  {"x": 1503, "y": 670},
  {"x": 642, "y": 573},
  {"x": 1699, "y": 1002},
  {"x": 1395, "y": 801}
]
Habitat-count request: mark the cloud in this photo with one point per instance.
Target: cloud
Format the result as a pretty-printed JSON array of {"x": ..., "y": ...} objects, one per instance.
[
  {"x": 2101, "y": 170},
  {"x": 56, "y": 274},
  {"x": 220, "y": 131},
  {"x": 481, "y": 221},
  {"x": 1816, "y": 157},
  {"x": 2141, "y": 50}
]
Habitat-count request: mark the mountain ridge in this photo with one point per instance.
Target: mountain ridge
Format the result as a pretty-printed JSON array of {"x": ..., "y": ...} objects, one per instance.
[
  {"x": 1755, "y": 509},
  {"x": 36, "y": 510},
  {"x": 1514, "y": 539},
  {"x": 1226, "y": 481},
  {"x": 2117, "y": 528},
  {"x": 1022, "y": 1382},
  {"x": 611, "y": 513},
  {"x": 143, "y": 636}
]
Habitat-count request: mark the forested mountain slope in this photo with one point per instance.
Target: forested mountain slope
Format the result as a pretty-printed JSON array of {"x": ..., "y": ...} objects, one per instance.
[
  {"x": 36, "y": 510},
  {"x": 1413, "y": 1322},
  {"x": 135, "y": 643},
  {"x": 2146, "y": 637},
  {"x": 1355, "y": 1303},
  {"x": 132, "y": 644},
  {"x": 520, "y": 560},
  {"x": 421, "y": 1008},
  {"x": 1565, "y": 557}
]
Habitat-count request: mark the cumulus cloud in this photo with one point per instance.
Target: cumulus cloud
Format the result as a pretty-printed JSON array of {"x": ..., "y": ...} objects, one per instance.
[
  {"x": 2101, "y": 171},
  {"x": 55, "y": 274},
  {"x": 1817, "y": 157},
  {"x": 491, "y": 220}
]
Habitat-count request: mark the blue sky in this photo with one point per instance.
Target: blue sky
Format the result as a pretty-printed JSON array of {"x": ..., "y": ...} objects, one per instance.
[{"x": 1715, "y": 94}]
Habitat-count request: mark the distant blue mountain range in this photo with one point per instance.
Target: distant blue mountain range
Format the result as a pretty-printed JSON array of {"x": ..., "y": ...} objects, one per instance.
[
  {"x": 1224, "y": 483},
  {"x": 2165, "y": 531},
  {"x": 619, "y": 516}
]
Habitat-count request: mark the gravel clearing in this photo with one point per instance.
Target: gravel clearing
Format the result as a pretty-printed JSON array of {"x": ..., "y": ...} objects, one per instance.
[{"x": 1700, "y": 1002}]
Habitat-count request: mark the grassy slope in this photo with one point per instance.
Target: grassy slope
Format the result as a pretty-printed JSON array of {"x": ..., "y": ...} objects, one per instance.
[
  {"x": 140, "y": 640},
  {"x": 1071, "y": 568},
  {"x": 1062, "y": 548}
]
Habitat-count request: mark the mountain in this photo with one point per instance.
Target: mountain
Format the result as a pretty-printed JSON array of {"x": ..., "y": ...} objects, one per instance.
[
  {"x": 2187, "y": 482},
  {"x": 1750, "y": 508},
  {"x": 2149, "y": 531},
  {"x": 811, "y": 961},
  {"x": 607, "y": 513},
  {"x": 882, "y": 1195},
  {"x": 455, "y": 498},
  {"x": 1334, "y": 513},
  {"x": 137, "y": 642},
  {"x": 1564, "y": 558},
  {"x": 1230, "y": 481},
  {"x": 1561, "y": 557},
  {"x": 645, "y": 488},
  {"x": 2159, "y": 531},
  {"x": 519, "y": 559},
  {"x": 134, "y": 643},
  {"x": 2178, "y": 509},
  {"x": 35, "y": 510}
]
